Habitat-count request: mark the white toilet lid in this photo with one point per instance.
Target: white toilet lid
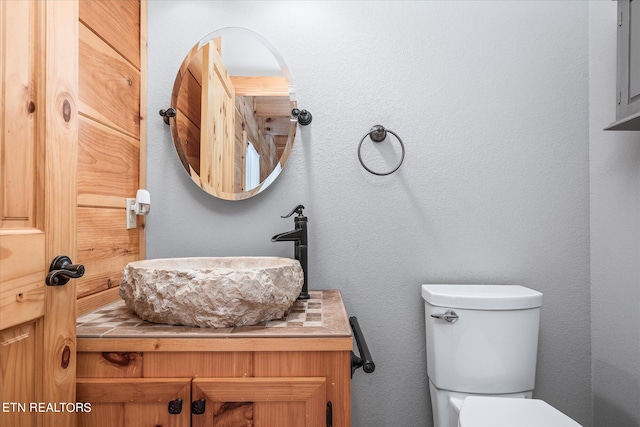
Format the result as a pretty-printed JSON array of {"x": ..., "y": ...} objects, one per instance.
[{"x": 480, "y": 411}]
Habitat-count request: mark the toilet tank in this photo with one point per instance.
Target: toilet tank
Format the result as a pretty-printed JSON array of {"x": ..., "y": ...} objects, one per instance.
[{"x": 491, "y": 348}]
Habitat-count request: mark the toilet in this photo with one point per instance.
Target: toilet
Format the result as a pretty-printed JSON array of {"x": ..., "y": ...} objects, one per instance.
[{"x": 482, "y": 343}]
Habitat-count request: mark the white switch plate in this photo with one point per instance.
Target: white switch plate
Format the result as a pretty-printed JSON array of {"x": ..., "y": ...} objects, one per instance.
[{"x": 131, "y": 214}]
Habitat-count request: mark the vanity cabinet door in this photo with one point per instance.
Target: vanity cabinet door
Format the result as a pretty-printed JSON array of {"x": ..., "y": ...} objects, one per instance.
[
  {"x": 334, "y": 366},
  {"x": 261, "y": 402},
  {"x": 118, "y": 402}
]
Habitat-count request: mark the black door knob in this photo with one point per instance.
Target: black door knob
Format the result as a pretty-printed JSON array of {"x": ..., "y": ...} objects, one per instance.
[{"x": 61, "y": 270}]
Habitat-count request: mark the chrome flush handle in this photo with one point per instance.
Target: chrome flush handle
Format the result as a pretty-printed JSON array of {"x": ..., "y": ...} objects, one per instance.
[{"x": 450, "y": 316}]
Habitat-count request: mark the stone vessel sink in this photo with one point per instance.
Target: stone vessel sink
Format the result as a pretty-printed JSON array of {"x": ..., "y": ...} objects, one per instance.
[{"x": 211, "y": 292}]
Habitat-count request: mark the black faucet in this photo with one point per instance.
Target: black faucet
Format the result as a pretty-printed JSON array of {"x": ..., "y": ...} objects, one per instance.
[{"x": 299, "y": 237}]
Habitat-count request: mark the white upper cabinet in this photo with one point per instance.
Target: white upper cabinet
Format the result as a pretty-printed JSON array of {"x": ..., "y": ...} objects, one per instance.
[{"x": 628, "y": 71}]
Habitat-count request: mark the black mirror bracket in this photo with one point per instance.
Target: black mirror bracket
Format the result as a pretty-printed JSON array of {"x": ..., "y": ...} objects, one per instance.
[
  {"x": 304, "y": 117},
  {"x": 166, "y": 114}
]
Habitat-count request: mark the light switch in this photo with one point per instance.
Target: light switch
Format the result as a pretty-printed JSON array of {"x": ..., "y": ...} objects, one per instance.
[{"x": 131, "y": 213}]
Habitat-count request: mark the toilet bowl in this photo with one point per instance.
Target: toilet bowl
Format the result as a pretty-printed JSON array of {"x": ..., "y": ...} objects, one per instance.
[
  {"x": 447, "y": 405},
  {"x": 482, "y": 343},
  {"x": 480, "y": 411}
]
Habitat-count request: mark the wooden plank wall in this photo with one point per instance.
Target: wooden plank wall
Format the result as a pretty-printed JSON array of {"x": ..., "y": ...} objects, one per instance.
[
  {"x": 111, "y": 143},
  {"x": 188, "y": 102}
]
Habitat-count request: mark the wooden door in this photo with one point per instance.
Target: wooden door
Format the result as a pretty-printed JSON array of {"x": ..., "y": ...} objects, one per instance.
[
  {"x": 261, "y": 402},
  {"x": 140, "y": 402},
  {"x": 38, "y": 156},
  {"x": 217, "y": 124}
]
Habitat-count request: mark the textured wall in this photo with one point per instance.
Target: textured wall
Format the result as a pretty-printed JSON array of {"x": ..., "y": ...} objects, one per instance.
[
  {"x": 491, "y": 99},
  {"x": 615, "y": 237}
]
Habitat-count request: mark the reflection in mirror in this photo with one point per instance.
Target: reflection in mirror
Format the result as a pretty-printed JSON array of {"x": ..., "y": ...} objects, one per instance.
[{"x": 233, "y": 97}]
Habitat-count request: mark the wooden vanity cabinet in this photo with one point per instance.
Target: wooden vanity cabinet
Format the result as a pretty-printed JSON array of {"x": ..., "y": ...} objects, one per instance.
[
  {"x": 216, "y": 388},
  {"x": 291, "y": 372}
]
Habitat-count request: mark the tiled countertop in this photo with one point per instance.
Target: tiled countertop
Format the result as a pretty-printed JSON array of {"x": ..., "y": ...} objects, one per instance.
[{"x": 323, "y": 315}]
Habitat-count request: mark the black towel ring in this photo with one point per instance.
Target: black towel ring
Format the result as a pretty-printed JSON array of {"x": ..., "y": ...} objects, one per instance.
[{"x": 378, "y": 133}]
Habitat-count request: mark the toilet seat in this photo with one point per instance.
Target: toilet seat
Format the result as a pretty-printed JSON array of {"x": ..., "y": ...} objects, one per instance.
[{"x": 480, "y": 411}]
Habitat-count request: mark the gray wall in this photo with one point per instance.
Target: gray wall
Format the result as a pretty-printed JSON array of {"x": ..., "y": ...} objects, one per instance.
[
  {"x": 491, "y": 100},
  {"x": 615, "y": 237}
]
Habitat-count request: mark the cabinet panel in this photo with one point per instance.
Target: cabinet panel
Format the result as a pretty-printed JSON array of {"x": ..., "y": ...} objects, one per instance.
[
  {"x": 109, "y": 365},
  {"x": 104, "y": 415},
  {"x": 285, "y": 414},
  {"x": 197, "y": 364},
  {"x": 265, "y": 402},
  {"x": 150, "y": 414},
  {"x": 133, "y": 402}
]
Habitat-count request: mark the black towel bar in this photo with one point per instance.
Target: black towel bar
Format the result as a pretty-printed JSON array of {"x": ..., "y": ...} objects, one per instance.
[{"x": 365, "y": 360}]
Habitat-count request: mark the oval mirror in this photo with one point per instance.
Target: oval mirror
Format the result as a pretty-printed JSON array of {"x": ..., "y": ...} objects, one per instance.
[{"x": 233, "y": 130}]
